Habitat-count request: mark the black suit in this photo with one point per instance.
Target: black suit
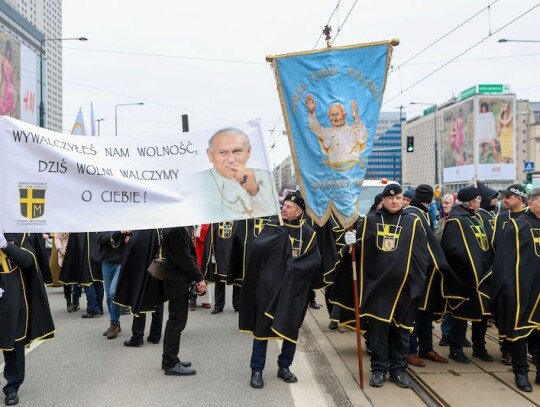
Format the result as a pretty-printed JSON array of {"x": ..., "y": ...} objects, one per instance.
[{"x": 180, "y": 270}]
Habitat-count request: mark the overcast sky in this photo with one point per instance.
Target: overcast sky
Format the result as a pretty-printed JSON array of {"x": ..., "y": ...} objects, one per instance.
[{"x": 207, "y": 58}]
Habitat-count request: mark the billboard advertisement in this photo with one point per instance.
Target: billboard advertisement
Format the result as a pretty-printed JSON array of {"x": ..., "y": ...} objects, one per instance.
[
  {"x": 18, "y": 79},
  {"x": 479, "y": 139},
  {"x": 458, "y": 142},
  {"x": 496, "y": 137}
]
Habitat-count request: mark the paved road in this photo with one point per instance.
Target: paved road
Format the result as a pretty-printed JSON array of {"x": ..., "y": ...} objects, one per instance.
[{"x": 81, "y": 367}]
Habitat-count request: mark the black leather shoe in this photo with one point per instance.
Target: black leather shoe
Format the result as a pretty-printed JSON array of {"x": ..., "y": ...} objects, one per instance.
[
  {"x": 185, "y": 364},
  {"x": 445, "y": 340},
  {"x": 11, "y": 399},
  {"x": 377, "y": 379},
  {"x": 133, "y": 344},
  {"x": 90, "y": 315},
  {"x": 522, "y": 382},
  {"x": 153, "y": 340},
  {"x": 333, "y": 325},
  {"x": 459, "y": 357},
  {"x": 286, "y": 375},
  {"x": 216, "y": 310},
  {"x": 483, "y": 355},
  {"x": 401, "y": 379},
  {"x": 256, "y": 381},
  {"x": 313, "y": 304},
  {"x": 180, "y": 370}
]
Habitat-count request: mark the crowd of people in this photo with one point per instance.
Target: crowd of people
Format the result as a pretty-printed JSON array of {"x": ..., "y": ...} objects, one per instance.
[{"x": 474, "y": 264}]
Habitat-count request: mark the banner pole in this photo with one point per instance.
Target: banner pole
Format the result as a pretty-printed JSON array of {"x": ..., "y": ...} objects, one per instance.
[{"x": 357, "y": 316}]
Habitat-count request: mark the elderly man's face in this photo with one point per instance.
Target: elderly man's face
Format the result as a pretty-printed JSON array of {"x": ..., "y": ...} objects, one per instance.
[
  {"x": 534, "y": 206},
  {"x": 290, "y": 211},
  {"x": 513, "y": 202},
  {"x": 229, "y": 152},
  {"x": 337, "y": 116}
]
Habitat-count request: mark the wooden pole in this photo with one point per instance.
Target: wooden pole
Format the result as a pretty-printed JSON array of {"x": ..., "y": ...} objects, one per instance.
[{"x": 357, "y": 316}]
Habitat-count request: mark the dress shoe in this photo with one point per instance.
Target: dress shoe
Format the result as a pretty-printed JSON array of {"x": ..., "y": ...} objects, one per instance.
[
  {"x": 445, "y": 340},
  {"x": 11, "y": 399},
  {"x": 333, "y": 325},
  {"x": 179, "y": 370},
  {"x": 286, "y": 375},
  {"x": 506, "y": 358},
  {"x": 256, "y": 381},
  {"x": 185, "y": 364},
  {"x": 400, "y": 379},
  {"x": 73, "y": 308},
  {"x": 522, "y": 382},
  {"x": 153, "y": 340},
  {"x": 433, "y": 356},
  {"x": 414, "y": 360},
  {"x": 216, "y": 310},
  {"x": 377, "y": 379},
  {"x": 313, "y": 304},
  {"x": 114, "y": 330},
  {"x": 90, "y": 314},
  {"x": 459, "y": 357},
  {"x": 133, "y": 344},
  {"x": 483, "y": 355}
]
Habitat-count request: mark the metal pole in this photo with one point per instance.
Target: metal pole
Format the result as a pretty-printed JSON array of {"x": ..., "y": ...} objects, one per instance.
[
  {"x": 41, "y": 104},
  {"x": 436, "y": 150},
  {"x": 98, "y": 123}
]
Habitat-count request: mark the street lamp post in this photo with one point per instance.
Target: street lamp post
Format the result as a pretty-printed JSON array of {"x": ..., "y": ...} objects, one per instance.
[
  {"x": 98, "y": 123},
  {"x": 435, "y": 144},
  {"x": 116, "y": 114},
  {"x": 41, "y": 101}
]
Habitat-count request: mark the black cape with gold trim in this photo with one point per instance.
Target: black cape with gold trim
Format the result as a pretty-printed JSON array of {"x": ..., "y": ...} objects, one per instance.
[
  {"x": 500, "y": 222},
  {"x": 38, "y": 247},
  {"x": 136, "y": 289},
  {"x": 82, "y": 265},
  {"x": 277, "y": 285},
  {"x": 24, "y": 307},
  {"x": 440, "y": 278},
  {"x": 516, "y": 278},
  {"x": 467, "y": 249},
  {"x": 225, "y": 243},
  {"x": 487, "y": 219}
]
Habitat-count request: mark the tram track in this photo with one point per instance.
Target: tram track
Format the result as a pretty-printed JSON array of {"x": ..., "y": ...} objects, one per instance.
[{"x": 432, "y": 399}]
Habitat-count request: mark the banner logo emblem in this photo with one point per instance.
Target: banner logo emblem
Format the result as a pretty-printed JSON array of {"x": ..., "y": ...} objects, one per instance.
[
  {"x": 32, "y": 202},
  {"x": 225, "y": 230}
]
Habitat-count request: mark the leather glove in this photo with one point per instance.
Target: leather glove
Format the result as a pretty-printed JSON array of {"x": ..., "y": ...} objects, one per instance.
[
  {"x": 350, "y": 237},
  {"x": 3, "y": 241}
]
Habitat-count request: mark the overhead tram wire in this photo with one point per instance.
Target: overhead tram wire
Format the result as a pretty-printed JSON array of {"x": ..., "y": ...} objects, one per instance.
[{"x": 460, "y": 54}]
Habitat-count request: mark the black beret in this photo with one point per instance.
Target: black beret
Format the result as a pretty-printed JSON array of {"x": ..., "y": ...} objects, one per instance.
[
  {"x": 296, "y": 198},
  {"x": 392, "y": 190},
  {"x": 424, "y": 193},
  {"x": 468, "y": 194}
]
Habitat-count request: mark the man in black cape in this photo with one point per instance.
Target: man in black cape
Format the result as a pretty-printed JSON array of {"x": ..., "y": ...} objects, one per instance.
[
  {"x": 488, "y": 208},
  {"x": 139, "y": 291},
  {"x": 436, "y": 288},
  {"x": 23, "y": 306},
  {"x": 514, "y": 200},
  {"x": 469, "y": 253},
  {"x": 392, "y": 267},
  {"x": 223, "y": 261},
  {"x": 283, "y": 263},
  {"x": 516, "y": 287},
  {"x": 82, "y": 267}
]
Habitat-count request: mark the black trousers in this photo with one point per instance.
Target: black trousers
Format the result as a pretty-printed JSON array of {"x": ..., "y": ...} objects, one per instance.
[
  {"x": 389, "y": 345},
  {"x": 139, "y": 323},
  {"x": 421, "y": 338},
  {"x": 258, "y": 355},
  {"x": 14, "y": 368},
  {"x": 219, "y": 295},
  {"x": 177, "y": 294},
  {"x": 459, "y": 330}
]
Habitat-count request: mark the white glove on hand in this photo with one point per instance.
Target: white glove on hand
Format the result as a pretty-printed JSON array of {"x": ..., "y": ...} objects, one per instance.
[
  {"x": 350, "y": 237},
  {"x": 3, "y": 241}
]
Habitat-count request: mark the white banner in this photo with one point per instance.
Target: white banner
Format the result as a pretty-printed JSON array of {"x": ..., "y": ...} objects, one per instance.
[{"x": 54, "y": 182}]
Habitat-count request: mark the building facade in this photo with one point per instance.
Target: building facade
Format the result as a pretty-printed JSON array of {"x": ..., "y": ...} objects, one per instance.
[
  {"x": 46, "y": 17},
  {"x": 385, "y": 158}
]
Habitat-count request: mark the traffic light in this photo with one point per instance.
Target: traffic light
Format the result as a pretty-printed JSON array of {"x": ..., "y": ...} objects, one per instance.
[
  {"x": 528, "y": 182},
  {"x": 410, "y": 144}
]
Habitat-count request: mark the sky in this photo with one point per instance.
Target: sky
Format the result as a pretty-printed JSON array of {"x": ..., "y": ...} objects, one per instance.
[{"x": 207, "y": 58}]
